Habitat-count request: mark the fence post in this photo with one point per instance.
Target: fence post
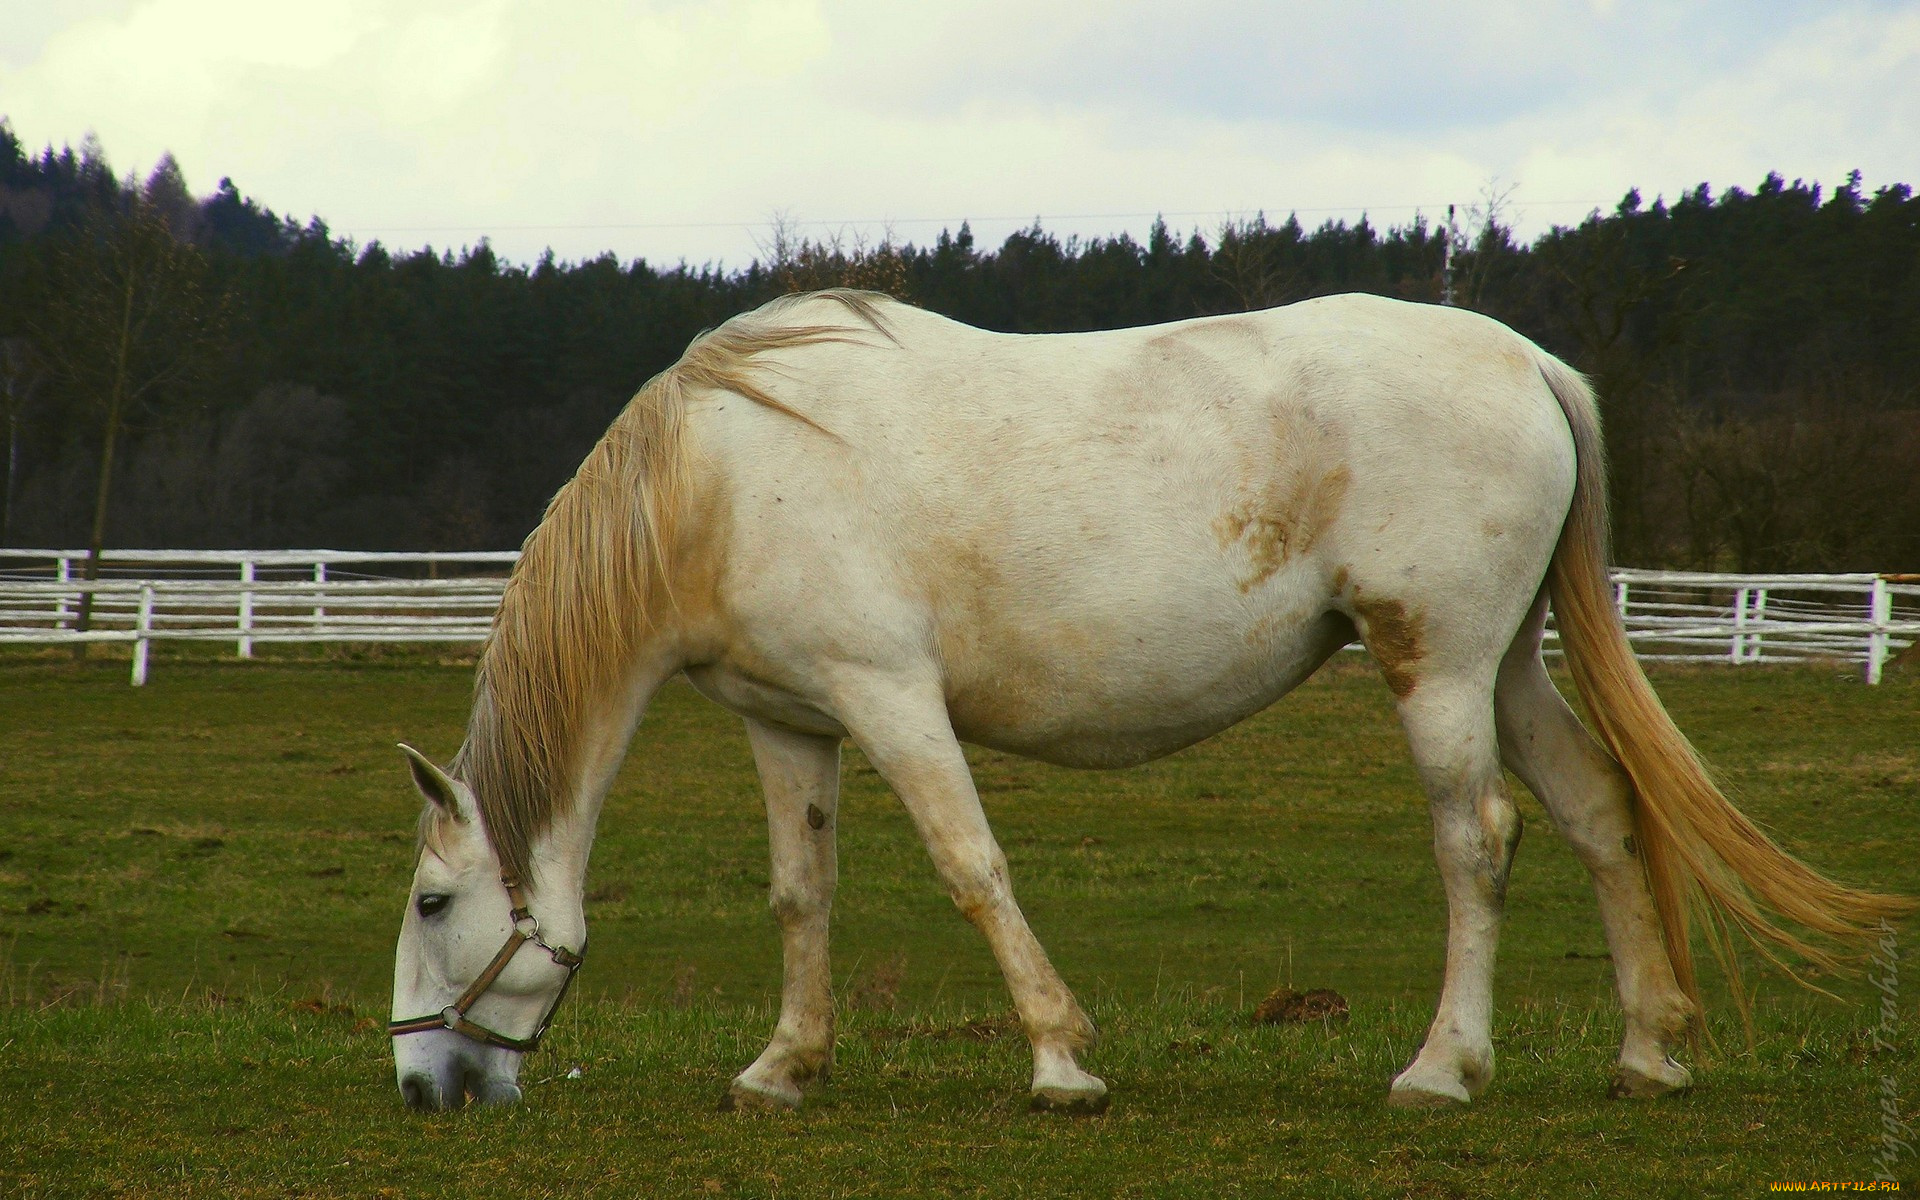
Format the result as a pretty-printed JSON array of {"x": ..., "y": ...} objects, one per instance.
[
  {"x": 65, "y": 575},
  {"x": 1620, "y": 599},
  {"x": 246, "y": 609},
  {"x": 141, "y": 628},
  {"x": 319, "y": 576},
  {"x": 1880, "y": 612},
  {"x": 1739, "y": 653},
  {"x": 1757, "y": 636}
]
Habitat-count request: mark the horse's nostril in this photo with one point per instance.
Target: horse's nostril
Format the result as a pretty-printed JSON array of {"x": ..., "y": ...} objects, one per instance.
[{"x": 420, "y": 1093}]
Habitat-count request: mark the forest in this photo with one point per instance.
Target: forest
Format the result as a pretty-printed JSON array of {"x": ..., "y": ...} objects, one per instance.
[{"x": 201, "y": 371}]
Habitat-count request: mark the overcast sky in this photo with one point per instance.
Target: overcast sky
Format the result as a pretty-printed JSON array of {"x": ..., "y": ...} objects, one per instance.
[{"x": 680, "y": 130}]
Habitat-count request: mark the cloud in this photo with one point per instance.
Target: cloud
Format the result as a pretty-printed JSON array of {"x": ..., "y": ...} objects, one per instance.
[
  {"x": 1833, "y": 98},
  {"x": 674, "y": 130},
  {"x": 1387, "y": 65}
]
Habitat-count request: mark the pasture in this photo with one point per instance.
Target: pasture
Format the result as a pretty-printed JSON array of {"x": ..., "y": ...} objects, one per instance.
[{"x": 200, "y": 882}]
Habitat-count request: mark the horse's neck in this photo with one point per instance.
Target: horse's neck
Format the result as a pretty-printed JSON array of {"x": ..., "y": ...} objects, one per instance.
[{"x": 564, "y": 848}]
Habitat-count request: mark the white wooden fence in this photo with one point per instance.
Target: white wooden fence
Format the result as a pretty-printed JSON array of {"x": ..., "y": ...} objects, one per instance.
[
  {"x": 253, "y": 597},
  {"x": 250, "y": 597},
  {"x": 1697, "y": 616}
]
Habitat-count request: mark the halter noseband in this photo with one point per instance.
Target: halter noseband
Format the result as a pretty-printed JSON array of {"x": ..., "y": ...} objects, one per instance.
[{"x": 526, "y": 928}]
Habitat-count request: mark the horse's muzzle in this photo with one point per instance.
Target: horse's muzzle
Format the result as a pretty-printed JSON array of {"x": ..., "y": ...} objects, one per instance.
[
  {"x": 443, "y": 1072},
  {"x": 423, "y": 1092}
]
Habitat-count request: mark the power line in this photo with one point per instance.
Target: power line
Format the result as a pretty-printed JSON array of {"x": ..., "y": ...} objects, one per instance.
[{"x": 857, "y": 221}]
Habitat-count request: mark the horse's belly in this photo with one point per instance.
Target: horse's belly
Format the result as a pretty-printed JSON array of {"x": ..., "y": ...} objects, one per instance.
[{"x": 1136, "y": 698}]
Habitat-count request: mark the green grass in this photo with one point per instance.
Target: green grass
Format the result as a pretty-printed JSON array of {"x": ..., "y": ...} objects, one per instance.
[{"x": 200, "y": 882}]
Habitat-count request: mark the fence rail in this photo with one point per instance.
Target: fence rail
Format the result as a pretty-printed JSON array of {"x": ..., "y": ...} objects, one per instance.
[
  {"x": 250, "y": 598},
  {"x": 257, "y": 597},
  {"x": 1694, "y": 616}
]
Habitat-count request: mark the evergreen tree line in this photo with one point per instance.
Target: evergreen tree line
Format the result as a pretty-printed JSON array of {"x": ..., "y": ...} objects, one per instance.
[{"x": 202, "y": 372}]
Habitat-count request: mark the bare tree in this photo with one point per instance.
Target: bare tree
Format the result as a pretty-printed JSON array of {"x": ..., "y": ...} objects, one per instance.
[
  {"x": 1249, "y": 263},
  {"x": 1628, "y": 316},
  {"x": 130, "y": 312},
  {"x": 1817, "y": 477},
  {"x": 1474, "y": 255},
  {"x": 801, "y": 264},
  {"x": 20, "y": 379}
]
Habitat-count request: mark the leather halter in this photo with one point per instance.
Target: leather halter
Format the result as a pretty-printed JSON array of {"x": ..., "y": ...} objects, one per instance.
[{"x": 526, "y": 928}]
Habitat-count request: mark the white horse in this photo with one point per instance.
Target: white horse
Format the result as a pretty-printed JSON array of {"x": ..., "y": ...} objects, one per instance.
[{"x": 843, "y": 517}]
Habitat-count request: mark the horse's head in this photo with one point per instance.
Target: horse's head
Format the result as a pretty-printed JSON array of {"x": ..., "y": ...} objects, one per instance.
[{"x": 477, "y": 975}]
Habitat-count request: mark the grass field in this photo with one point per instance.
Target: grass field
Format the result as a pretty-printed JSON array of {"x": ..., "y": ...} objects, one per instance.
[{"x": 200, "y": 882}]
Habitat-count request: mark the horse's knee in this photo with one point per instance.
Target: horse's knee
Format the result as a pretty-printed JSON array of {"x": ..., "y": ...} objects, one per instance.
[
  {"x": 795, "y": 904},
  {"x": 1600, "y": 831},
  {"x": 1585, "y": 791},
  {"x": 1477, "y": 846},
  {"x": 1501, "y": 828},
  {"x": 978, "y": 887}
]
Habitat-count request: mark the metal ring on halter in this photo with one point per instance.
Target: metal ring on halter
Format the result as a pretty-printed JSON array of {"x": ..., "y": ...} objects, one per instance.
[{"x": 454, "y": 1016}]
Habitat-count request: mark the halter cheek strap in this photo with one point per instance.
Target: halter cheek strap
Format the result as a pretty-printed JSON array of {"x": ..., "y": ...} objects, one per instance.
[{"x": 526, "y": 928}]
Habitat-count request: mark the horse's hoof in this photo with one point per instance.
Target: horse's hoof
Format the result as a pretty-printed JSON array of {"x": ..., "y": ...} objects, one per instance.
[
  {"x": 744, "y": 1097},
  {"x": 1421, "y": 1098},
  {"x": 1631, "y": 1083},
  {"x": 1427, "y": 1087},
  {"x": 1068, "y": 1103}
]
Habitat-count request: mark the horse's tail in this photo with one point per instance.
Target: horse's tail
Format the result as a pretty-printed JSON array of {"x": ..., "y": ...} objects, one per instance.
[{"x": 1698, "y": 850}]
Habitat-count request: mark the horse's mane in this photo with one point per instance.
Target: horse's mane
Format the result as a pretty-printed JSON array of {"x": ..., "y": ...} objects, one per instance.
[{"x": 592, "y": 581}]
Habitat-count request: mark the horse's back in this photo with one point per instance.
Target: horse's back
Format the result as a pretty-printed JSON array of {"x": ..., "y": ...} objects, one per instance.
[{"x": 1112, "y": 544}]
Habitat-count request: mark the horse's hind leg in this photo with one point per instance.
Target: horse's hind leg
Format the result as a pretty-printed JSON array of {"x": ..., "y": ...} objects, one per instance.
[
  {"x": 800, "y": 775},
  {"x": 1590, "y": 800},
  {"x": 903, "y": 728},
  {"x": 1449, "y": 724}
]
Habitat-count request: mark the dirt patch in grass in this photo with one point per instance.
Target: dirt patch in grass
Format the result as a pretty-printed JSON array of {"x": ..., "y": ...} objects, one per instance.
[{"x": 1285, "y": 1006}]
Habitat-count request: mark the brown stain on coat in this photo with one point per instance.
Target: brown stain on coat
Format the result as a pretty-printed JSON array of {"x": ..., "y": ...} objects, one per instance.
[
  {"x": 1264, "y": 631},
  {"x": 1000, "y": 675},
  {"x": 697, "y": 563},
  {"x": 1284, "y": 521},
  {"x": 1393, "y": 635}
]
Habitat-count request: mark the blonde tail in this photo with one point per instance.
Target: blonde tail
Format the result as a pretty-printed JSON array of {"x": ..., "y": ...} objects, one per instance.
[{"x": 1699, "y": 851}]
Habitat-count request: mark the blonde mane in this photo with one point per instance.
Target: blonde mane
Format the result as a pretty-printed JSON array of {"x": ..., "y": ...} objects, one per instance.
[{"x": 592, "y": 581}]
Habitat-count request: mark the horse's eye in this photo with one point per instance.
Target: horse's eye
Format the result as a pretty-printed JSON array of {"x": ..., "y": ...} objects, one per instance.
[{"x": 431, "y": 903}]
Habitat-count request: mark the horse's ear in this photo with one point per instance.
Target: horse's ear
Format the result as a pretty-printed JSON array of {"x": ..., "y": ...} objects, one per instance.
[{"x": 433, "y": 783}]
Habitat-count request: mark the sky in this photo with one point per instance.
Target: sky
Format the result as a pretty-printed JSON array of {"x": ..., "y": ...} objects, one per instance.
[{"x": 685, "y": 131}]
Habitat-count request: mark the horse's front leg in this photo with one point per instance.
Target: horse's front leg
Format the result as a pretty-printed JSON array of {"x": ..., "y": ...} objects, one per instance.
[
  {"x": 800, "y": 774},
  {"x": 902, "y": 726}
]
